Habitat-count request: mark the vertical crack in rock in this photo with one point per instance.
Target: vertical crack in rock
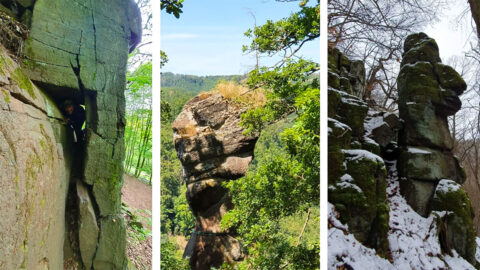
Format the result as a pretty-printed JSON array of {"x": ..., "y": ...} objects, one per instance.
[
  {"x": 89, "y": 64},
  {"x": 212, "y": 149},
  {"x": 430, "y": 175}
]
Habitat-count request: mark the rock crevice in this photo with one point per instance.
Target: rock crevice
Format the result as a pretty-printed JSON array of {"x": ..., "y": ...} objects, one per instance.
[{"x": 76, "y": 51}]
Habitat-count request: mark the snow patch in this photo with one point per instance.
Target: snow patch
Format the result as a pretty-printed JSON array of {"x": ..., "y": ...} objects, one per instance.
[
  {"x": 355, "y": 154},
  {"x": 415, "y": 150},
  {"x": 373, "y": 123},
  {"x": 445, "y": 186},
  {"x": 346, "y": 182},
  {"x": 412, "y": 238},
  {"x": 339, "y": 124},
  {"x": 344, "y": 249}
]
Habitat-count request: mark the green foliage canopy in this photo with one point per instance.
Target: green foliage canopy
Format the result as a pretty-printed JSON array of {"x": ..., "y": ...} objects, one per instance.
[{"x": 286, "y": 181}]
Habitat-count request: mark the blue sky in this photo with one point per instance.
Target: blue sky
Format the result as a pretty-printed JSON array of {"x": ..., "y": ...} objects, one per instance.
[{"x": 208, "y": 37}]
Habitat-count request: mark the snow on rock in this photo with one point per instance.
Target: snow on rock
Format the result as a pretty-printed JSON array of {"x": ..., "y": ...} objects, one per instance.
[
  {"x": 339, "y": 124},
  {"x": 413, "y": 239},
  {"x": 344, "y": 249},
  {"x": 417, "y": 150},
  {"x": 346, "y": 182},
  {"x": 354, "y": 154},
  {"x": 445, "y": 186},
  {"x": 477, "y": 252},
  {"x": 373, "y": 123}
]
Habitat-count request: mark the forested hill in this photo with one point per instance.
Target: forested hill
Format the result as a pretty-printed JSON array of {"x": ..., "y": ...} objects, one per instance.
[
  {"x": 177, "y": 89},
  {"x": 195, "y": 84}
]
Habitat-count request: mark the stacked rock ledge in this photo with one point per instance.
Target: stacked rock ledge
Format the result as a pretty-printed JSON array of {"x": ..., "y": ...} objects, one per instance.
[{"x": 356, "y": 174}]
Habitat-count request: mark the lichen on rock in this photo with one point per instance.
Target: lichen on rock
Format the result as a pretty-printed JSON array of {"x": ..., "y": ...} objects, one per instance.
[
  {"x": 428, "y": 93},
  {"x": 356, "y": 174}
]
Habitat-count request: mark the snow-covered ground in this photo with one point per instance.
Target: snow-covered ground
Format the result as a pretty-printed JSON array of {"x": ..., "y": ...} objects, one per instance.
[{"x": 413, "y": 239}]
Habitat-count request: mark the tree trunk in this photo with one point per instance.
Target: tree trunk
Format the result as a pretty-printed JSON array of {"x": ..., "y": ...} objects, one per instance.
[{"x": 475, "y": 9}]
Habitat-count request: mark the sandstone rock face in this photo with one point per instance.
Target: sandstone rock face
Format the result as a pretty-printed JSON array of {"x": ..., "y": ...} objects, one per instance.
[
  {"x": 428, "y": 93},
  {"x": 212, "y": 149},
  {"x": 356, "y": 174},
  {"x": 35, "y": 159},
  {"x": 78, "y": 50}
]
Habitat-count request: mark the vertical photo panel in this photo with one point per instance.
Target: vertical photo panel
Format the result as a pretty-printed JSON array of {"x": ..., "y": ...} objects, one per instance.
[
  {"x": 75, "y": 134},
  {"x": 403, "y": 134},
  {"x": 240, "y": 134}
]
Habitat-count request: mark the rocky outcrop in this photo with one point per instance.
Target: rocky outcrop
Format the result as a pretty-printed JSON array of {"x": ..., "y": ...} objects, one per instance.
[
  {"x": 428, "y": 92},
  {"x": 428, "y": 218},
  {"x": 35, "y": 158},
  {"x": 78, "y": 50},
  {"x": 356, "y": 174},
  {"x": 212, "y": 149}
]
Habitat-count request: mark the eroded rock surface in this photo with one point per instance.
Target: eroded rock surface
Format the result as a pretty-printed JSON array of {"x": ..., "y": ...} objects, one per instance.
[
  {"x": 212, "y": 149},
  {"x": 35, "y": 159},
  {"x": 428, "y": 93},
  {"x": 430, "y": 175}
]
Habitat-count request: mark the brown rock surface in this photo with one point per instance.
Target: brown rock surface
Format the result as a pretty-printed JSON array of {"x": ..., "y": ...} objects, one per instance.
[{"x": 212, "y": 148}]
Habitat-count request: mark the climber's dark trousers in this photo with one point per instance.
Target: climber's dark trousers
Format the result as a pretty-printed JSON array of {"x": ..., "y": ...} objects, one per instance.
[{"x": 78, "y": 159}]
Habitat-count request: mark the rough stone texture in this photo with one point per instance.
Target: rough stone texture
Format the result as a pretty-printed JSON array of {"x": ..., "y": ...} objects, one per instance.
[
  {"x": 460, "y": 234},
  {"x": 78, "y": 49},
  {"x": 87, "y": 226},
  {"x": 356, "y": 174},
  {"x": 428, "y": 93},
  {"x": 35, "y": 161},
  {"x": 426, "y": 98},
  {"x": 212, "y": 149}
]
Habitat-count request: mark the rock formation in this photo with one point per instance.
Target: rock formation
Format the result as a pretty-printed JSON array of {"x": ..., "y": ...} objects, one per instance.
[
  {"x": 212, "y": 149},
  {"x": 35, "y": 164},
  {"x": 429, "y": 172},
  {"x": 74, "y": 50},
  {"x": 423, "y": 194},
  {"x": 356, "y": 175}
]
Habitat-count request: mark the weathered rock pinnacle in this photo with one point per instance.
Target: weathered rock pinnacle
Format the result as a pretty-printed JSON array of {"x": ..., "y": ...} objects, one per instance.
[
  {"x": 212, "y": 149},
  {"x": 430, "y": 175}
]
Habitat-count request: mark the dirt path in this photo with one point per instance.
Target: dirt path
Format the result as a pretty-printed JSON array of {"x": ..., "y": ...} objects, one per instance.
[
  {"x": 136, "y": 194},
  {"x": 138, "y": 197}
]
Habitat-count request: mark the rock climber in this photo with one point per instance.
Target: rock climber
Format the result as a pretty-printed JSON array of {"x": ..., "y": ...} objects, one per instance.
[{"x": 76, "y": 117}]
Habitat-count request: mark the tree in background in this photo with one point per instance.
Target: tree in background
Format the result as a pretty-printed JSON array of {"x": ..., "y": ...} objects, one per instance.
[
  {"x": 138, "y": 132},
  {"x": 138, "y": 94},
  {"x": 285, "y": 184},
  {"x": 172, "y": 7},
  {"x": 373, "y": 31}
]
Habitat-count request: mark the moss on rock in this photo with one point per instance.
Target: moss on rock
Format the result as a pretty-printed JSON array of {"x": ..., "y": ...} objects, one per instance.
[{"x": 460, "y": 233}]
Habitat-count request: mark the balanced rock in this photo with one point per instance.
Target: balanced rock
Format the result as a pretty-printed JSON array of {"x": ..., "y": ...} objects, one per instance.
[
  {"x": 212, "y": 149},
  {"x": 430, "y": 175}
]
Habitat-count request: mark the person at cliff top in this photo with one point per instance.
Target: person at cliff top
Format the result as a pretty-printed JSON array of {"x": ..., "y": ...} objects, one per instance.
[{"x": 76, "y": 117}]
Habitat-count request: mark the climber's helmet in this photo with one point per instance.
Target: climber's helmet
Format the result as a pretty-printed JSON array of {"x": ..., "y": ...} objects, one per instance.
[{"x": 68, "y": 107}]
